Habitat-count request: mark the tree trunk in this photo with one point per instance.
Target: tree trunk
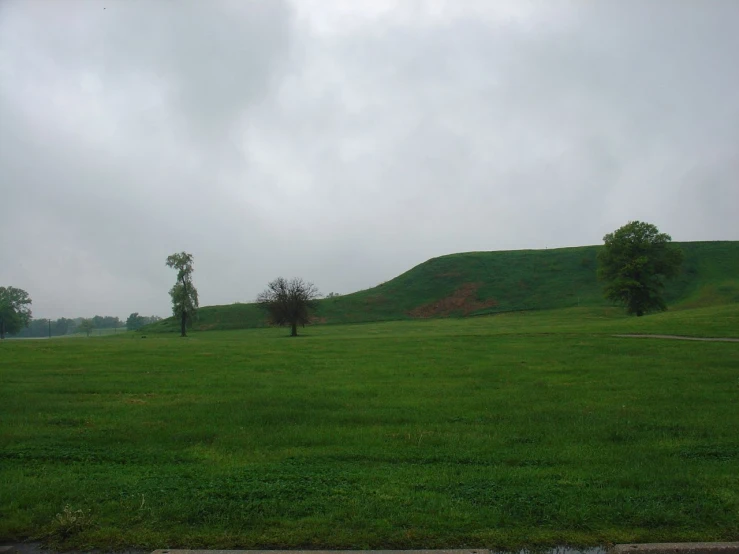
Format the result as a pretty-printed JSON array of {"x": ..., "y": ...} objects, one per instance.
[
  {"x": 183, "y": 326},
  {"x": 294, "y": 332},
  {"x": 2, "y": 329}
]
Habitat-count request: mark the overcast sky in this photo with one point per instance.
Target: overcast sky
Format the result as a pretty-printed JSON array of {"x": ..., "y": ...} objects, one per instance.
[{"x": 347, "y": 141}]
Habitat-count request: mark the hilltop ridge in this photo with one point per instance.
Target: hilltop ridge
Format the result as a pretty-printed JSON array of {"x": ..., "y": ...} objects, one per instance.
[{"x": 480, "y": 283}]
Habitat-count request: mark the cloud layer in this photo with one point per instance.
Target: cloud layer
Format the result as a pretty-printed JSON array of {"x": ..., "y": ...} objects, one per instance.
[{"x": 346, "y": 142}]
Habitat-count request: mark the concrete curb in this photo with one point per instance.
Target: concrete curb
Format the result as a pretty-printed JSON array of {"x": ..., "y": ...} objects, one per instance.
[
  {"x": 476, "y": 551},
  {"x": 645, "y": 548},
  {"x": 678, "y": 548}
]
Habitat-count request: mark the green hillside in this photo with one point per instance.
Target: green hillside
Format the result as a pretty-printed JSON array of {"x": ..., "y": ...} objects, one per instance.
[{"x": 478, "y": 283}]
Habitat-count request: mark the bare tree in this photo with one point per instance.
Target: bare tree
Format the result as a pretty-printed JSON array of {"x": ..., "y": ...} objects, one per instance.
[{"x": 289, "y": 302}]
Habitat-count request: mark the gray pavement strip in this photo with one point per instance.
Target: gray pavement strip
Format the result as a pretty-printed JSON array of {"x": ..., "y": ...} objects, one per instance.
[
  {"x": 476, "y": 551},
  {"x": 646, "y": 548},
  {"x": 678, "y": 548}
]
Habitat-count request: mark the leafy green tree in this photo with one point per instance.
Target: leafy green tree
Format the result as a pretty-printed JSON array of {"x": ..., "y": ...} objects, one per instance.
[
  {"x": 62, "y": 326},
  {"x": 634, "y": 264},
  {"x": 184, "y": 294},
  {"x": 106, "y": 322},
  {"x": 289, "y": 302},
  {"x": 35, "y": 328},
  {"x": 134, "y": 321},
  {"x": 15, "y": 311},
  {"x": 40, "y": 328},
  {"x": 86, "y": 326}
]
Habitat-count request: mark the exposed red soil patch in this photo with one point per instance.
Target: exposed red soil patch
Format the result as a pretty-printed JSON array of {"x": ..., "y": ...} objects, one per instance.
[{"x": 463, "y": 300}]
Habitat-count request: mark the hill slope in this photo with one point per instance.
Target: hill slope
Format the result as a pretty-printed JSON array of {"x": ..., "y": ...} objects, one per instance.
[{"x": 477, "y": 283}]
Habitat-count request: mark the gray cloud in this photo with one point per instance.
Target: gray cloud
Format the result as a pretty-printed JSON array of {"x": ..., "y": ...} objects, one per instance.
[{"x": 346, "y": 145}]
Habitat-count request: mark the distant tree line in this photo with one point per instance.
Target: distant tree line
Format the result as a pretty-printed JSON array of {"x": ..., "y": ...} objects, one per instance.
[
  {"x": 40, "y": 327},
  {"x": 65, "y": 326},
  {"x": 136, "y": 321}
]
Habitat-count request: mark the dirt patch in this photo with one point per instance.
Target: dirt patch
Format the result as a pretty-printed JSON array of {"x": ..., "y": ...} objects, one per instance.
[{"x": 462, "y": 301}]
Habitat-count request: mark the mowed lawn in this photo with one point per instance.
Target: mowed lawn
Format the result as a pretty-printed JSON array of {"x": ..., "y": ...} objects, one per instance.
[{"x": 500, "y": 432}]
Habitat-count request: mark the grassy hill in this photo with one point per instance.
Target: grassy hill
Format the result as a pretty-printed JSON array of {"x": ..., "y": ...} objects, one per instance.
[{"x": 478, "y": 283}]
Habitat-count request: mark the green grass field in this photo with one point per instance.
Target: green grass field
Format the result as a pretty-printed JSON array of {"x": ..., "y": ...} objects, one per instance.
[{"x": 521, "y": 429}]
